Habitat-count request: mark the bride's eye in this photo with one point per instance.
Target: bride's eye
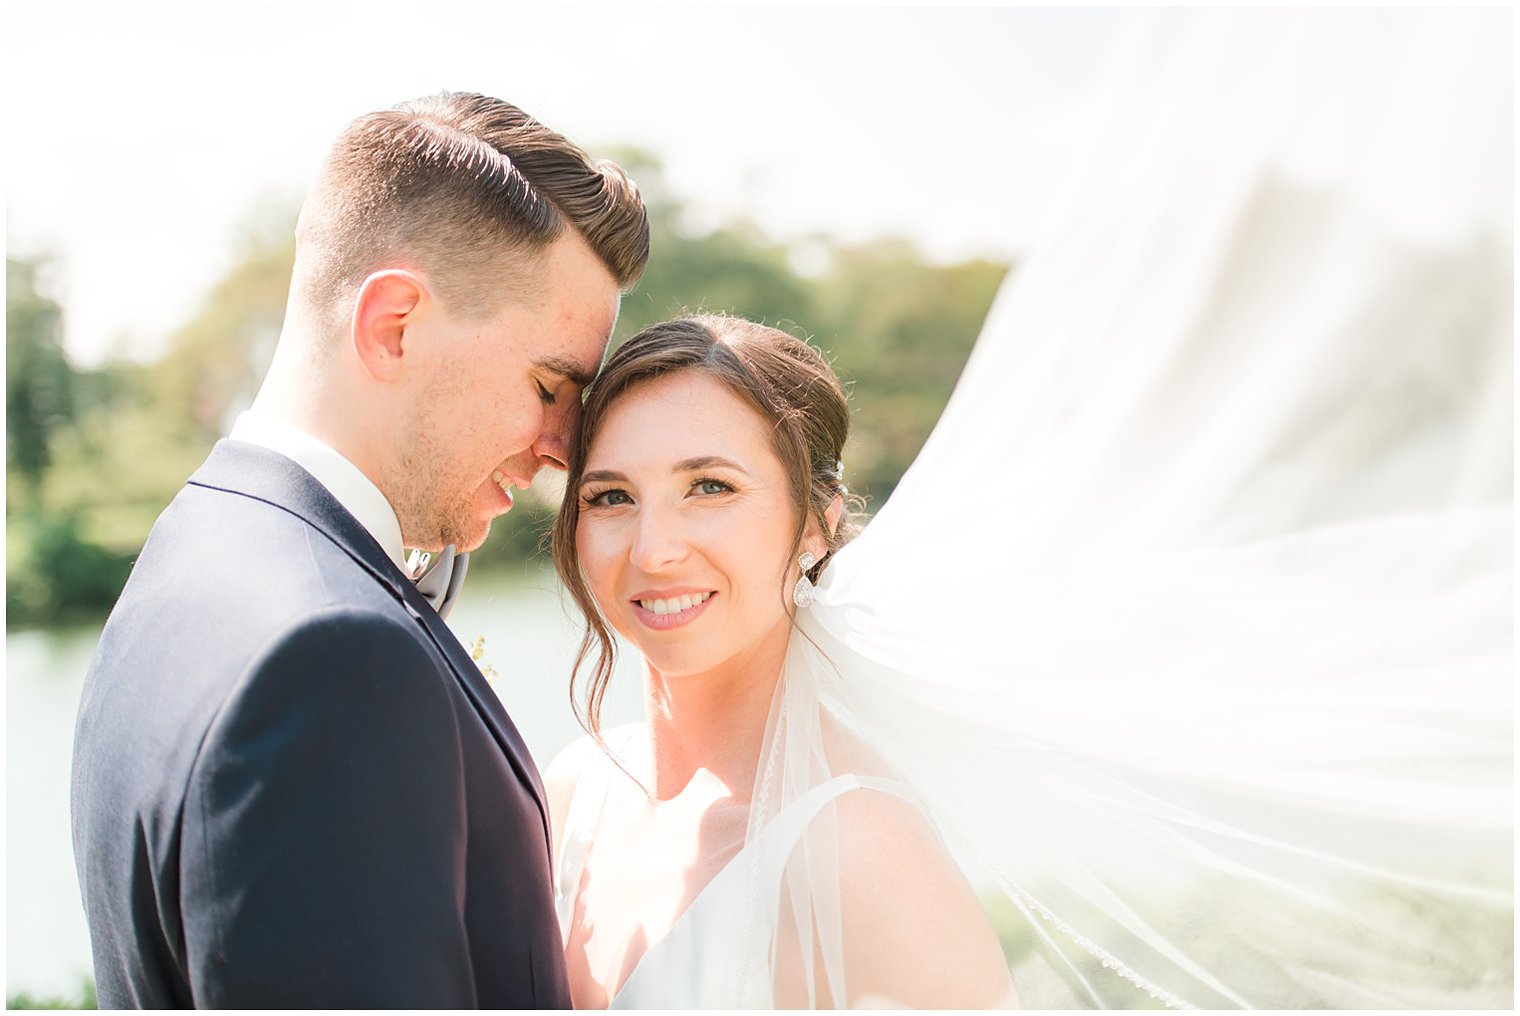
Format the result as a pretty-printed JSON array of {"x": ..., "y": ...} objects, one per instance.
[
  {"x": 712, "y": 487},
  {"x": 609, "y": 498}
]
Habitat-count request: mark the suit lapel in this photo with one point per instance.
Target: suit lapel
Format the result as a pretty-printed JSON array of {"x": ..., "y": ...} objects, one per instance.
[
  {"x": 474, "y": 683},
  {"x": 240, "y": 468}
]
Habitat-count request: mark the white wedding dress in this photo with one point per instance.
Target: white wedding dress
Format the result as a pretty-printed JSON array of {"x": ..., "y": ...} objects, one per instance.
[
  {"x": 700, "y": 963},
  {"x": 1190, "y": 627}
]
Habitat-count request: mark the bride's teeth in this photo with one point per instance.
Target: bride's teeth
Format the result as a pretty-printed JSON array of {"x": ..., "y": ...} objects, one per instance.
[{"x": 675, "y": 604}]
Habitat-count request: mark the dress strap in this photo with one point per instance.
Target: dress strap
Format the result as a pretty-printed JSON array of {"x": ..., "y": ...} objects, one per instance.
[
  {"x": 775, "y": 844},
  {"x": 768, "y": 855}
]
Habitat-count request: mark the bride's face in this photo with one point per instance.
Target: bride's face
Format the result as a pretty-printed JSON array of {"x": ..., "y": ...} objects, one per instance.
[{"x": 686, "y": 523}]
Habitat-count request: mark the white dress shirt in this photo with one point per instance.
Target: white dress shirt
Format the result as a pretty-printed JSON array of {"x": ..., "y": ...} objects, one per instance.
[{"x": 343, "y": 480}]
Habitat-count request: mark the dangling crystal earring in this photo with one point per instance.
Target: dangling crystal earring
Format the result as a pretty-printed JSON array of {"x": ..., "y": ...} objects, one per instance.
[{"x": 802, "y": 592}]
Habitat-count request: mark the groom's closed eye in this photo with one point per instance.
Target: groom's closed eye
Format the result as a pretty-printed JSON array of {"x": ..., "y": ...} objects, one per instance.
[{"x": 577, "y": 374}]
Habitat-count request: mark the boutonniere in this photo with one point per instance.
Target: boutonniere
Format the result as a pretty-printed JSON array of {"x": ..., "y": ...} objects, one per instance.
[{"x": 477, "y": 653}]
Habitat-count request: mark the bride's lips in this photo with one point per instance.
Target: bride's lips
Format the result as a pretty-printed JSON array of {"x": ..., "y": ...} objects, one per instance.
[{"x": 664, "y": 610}]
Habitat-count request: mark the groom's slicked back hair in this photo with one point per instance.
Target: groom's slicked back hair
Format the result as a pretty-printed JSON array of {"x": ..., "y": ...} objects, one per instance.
[{"x": 467, "y": 188}]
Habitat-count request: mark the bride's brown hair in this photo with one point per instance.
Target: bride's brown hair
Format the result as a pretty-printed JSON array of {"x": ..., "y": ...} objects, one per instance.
[{"x": 787, "y": 381}]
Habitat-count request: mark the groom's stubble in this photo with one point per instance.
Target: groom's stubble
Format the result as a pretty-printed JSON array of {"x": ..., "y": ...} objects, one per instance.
[
  {"x": 432, "y": 493},
  {"x": 501, "y": 396}
]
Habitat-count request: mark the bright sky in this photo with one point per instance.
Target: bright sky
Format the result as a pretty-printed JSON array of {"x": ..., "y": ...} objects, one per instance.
[{"x": 140, "y": 136}]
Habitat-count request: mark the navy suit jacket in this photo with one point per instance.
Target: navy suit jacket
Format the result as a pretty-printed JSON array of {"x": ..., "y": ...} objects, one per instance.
[{"x": 292, "y": 786}]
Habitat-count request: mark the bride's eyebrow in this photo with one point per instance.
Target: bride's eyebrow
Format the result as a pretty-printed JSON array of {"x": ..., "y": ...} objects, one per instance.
[
  {"x": 684, "y": 466},
  {"x": 707, "y": 462}
]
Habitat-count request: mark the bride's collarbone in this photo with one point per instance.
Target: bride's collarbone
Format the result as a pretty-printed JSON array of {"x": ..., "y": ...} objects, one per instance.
[
  {"x": 693, "y": 826},
  {"x": 659, "y": 841}
]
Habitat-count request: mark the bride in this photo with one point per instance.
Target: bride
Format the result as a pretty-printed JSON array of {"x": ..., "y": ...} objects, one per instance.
[
  {"x": 707, "y": 499},
  {"x": 1176, "y": 671}
]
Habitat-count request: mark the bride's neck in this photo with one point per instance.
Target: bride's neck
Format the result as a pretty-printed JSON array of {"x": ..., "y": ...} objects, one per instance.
[{"x": 713, "y": 721}]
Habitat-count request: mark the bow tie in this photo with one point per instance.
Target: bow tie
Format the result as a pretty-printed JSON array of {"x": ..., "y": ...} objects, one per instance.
[{"x": 438, "y": 577}]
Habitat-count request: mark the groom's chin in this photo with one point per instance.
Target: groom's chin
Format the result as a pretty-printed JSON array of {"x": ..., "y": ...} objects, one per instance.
[
  {"x": 468, "y": 546},
  {"x": 469, "y": 534},
  {"x": 464, "y": 531},
  {"x": 473, "y": 532},
  {"x": 469, "y": 523}
]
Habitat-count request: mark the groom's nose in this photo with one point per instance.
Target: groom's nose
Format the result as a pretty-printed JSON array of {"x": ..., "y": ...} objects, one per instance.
[
  {"x": 551, "y": 452},
  {"x": 551, "y": 449}
]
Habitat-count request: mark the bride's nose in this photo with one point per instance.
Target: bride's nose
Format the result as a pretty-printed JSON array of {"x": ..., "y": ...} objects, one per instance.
[{"x": 657, "y": 540}]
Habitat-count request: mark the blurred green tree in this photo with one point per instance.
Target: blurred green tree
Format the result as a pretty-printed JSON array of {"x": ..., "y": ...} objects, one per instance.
[
  {"x": 900, "y": 329},
  {"x": 39, "y": 382},
  {"x": 214, "y": 363}
]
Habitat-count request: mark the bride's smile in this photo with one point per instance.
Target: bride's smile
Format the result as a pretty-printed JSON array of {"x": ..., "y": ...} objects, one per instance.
[
  {"x": 686, "y": 526},
  {"x": 666, "y": 609}
]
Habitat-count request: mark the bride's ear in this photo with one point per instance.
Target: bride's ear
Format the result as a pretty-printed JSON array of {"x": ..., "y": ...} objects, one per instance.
[
  {"x": 833, "y": 513},
  {"x": 813, "y": 540}
]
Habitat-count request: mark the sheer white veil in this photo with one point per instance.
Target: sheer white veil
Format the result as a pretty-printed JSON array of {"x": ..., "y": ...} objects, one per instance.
[{"x": 1191, "y": 625}]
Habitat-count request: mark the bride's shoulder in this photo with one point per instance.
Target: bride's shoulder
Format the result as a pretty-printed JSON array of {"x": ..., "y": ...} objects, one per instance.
[
  {"x": 885, "y": 831},
  {"x": 926, "y": 941},
  {"x": 915, "y": 933}
]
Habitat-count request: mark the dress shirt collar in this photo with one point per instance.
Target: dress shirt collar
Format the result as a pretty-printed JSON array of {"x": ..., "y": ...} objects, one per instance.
[{"x": 343, "y": 480}]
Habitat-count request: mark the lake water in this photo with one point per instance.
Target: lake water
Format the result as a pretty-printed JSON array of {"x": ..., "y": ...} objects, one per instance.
[{"x": 529, "y": 641}]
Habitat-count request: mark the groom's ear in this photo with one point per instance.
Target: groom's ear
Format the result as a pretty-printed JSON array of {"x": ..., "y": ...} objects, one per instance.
[{"x": 383, "y": 310}]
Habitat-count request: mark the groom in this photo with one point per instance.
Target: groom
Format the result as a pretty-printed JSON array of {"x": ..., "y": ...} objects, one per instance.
[{"x": 292, "y": 786}]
